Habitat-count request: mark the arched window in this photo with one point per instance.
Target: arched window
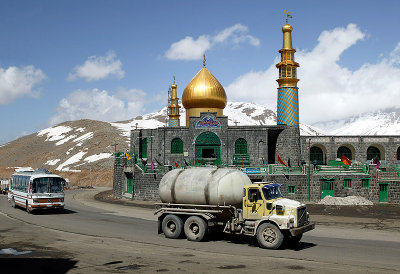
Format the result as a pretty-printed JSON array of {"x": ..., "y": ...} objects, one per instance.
[
  {"x": 241, "y": 146},
  {"x": 373, "y": 152},
  {"x": 176, "y": 146},
  {"x": 344, "y": 151},
  {"x": 317, "y": 154}
]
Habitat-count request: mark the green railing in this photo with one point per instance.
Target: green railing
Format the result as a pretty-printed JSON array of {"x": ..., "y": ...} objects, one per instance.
[
  {"x": 241, "y": 159},
  {"x": 391, "y": 173},
  {"x": 355, "y": 168}
]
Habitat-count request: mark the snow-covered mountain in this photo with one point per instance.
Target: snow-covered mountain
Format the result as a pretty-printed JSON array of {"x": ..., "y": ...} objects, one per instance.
[
  {"x": 379, "y": 123},
  {"x": 87, "y": 144},
  {"x": 239, "y": 113}
]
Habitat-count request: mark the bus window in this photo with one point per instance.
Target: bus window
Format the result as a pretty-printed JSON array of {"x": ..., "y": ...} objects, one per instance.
[{"x": 47, "y": 185}]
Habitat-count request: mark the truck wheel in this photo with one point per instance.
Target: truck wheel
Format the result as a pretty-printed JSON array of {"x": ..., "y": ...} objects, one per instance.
[
  {"x": 13, "y": 202},
  {"x": 269, "y": 236},
  {"x": 172, "y": 226},
  {"x": 195, "y": 229}
]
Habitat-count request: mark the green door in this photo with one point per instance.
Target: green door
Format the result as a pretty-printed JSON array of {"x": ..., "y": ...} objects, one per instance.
[
  {"x": 383, "y": 192},
  {"x": 207, "y": 149},
  {"x": 129, "y": 183},
  {"x": 327, "y": 188}
]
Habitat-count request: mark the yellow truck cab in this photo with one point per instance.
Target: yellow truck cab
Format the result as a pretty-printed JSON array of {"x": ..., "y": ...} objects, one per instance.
[{"x": 272, "y": 218}]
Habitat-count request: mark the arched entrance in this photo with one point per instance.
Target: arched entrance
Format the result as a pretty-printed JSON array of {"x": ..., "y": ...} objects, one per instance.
[
  {"x": 208, "y": 149},
  {"x": 373, "y": 152},
  {"x": 344, "y": 151},
  {"x": 317, "y": 154}
]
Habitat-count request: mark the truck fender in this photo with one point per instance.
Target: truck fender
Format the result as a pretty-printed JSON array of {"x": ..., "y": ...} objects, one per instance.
[{"x": 279, "y": 221}]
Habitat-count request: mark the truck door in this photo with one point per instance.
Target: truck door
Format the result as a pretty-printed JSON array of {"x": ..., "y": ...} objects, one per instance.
[{"x": 253, "y": 205}]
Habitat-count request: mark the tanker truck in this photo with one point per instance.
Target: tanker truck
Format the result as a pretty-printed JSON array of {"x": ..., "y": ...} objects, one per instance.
[{"x": 200, "y": 200}]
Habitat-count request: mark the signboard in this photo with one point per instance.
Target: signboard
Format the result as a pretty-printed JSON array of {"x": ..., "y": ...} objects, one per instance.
[
  {"x": 208, "y": 122},
  {"x": 253, "y": 170}
]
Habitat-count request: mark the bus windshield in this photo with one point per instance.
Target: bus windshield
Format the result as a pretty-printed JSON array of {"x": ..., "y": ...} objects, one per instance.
[
  {"x": 48, "y": 185},
  {"x": 272, "y": 193}
]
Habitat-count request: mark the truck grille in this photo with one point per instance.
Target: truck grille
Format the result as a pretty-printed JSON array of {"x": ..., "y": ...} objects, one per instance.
[{"x": 301, "y": 216}]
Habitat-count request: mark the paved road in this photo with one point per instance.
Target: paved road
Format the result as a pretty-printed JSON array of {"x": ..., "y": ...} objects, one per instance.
[{"x": 115, "y": 234}]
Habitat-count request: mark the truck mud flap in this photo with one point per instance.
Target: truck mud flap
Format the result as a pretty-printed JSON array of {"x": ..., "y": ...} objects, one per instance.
[{"x": 301, "y": 230}]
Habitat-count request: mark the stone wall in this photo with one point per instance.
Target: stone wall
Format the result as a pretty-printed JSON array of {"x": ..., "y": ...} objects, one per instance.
[{"x": 145, "y": 185}]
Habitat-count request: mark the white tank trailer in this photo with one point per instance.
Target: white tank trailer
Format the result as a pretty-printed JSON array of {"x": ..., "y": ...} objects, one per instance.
[
  {"x": 203, "y": 186},
  {"x": 198, "y": 201}
]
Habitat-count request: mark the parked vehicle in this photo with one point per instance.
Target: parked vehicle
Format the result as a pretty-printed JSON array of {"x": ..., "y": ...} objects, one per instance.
[
  {"x": 35, "y": 190},
  {"x": 197, "y": 200},
  {"x": 4, "y": 191}
]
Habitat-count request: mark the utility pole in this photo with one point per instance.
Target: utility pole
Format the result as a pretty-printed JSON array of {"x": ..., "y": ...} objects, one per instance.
[{"x": 309, "y": 164}]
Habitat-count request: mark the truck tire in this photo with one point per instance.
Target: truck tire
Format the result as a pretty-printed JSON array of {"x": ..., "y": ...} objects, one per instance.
[
  {"x": 269, "y": 236},
  {"x": 195, "y": 228},
  {"x": 172, "y": 226}
]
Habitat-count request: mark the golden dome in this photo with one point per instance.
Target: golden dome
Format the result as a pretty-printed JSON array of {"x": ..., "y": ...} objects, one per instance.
[
  {"x": 287, "y": 28},
  {"x": 204, "y": 91}
]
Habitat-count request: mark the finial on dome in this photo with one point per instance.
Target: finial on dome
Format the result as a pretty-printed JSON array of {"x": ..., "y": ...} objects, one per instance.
[
  {"x": 174, "y": 79},
  {"x": 204, "y": 60},
  {"x": 287, "y": 15}
]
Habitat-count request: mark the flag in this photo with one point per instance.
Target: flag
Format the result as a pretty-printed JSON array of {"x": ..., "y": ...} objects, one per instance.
[
  {"x": 281, "y": 161},
  {"x": 128, "y": 156},
  {"x": 186, "y": 163},
  {"x": 289, "y": 16},
  {"x": 345, "y": 160},
  {"x": 376, "y": 162},
  {"x": 151, "y": 165},
  {"x": 176, "y": 164}
]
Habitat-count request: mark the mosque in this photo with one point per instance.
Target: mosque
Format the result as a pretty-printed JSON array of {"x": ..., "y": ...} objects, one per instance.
[{"x": 207, "y": 139}]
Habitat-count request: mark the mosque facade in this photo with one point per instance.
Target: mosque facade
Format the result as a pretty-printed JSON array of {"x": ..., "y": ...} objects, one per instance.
[{"x": 306, "y": 166}]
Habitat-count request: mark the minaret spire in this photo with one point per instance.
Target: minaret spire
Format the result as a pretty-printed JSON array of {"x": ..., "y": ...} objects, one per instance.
[
  {"x": 288, "y": 107},
  {"x": 173, "y": 108}
]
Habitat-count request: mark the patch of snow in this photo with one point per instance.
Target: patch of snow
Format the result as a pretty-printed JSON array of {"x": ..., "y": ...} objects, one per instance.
[
  {"x": 54, "y": 133},
  {"x": 73, "y": 159},
  {"x": 349, "y": 200},
  {"x": 24, "y": 169},
  {"x": 80, "y": 129},
  {"x": 69, "y": 151},
  {"x": 84, "y": 137},
  {"x": 62, "y": 141},
  {"x": 96, "y": 157},
  {"x": 66, "y": 169},
  {"x": 12, "y": 251},
  {"x": 52, "y": 162}
]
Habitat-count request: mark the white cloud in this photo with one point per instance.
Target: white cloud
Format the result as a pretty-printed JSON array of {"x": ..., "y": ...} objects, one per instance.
[
  {"x": 96, "y": 68},
  {"x": 327, "y": 90},
  {"x": 100, "y": 105},
  {"x": 19, "y": 82},
  {"x": 191, "y": 49}
]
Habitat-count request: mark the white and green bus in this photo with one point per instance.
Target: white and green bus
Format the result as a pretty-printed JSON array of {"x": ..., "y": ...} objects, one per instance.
[{"x": 34, "y": 190}]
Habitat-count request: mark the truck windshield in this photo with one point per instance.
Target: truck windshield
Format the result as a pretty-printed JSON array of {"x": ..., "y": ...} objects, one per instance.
[
  {"x": 47, "y": 185},
  {"x": 272, "y": 193}
]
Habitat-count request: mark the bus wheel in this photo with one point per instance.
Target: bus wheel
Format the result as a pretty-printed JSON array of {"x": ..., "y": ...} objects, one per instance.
[
  {"x": 12, "y": 202},
  {"x": 29, "y": 210}
]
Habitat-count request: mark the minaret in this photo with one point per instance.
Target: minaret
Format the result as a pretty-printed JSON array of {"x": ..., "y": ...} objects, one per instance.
[
  {"x": 288, "y": 103},
  {"x": 173, "y": 108}
]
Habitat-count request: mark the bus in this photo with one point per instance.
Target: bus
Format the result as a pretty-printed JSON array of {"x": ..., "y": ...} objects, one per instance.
[{"x": 38, "y": 189}]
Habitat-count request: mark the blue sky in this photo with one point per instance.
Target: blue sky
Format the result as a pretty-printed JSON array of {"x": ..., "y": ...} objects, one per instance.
[{"x": 114, "y": 60}]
